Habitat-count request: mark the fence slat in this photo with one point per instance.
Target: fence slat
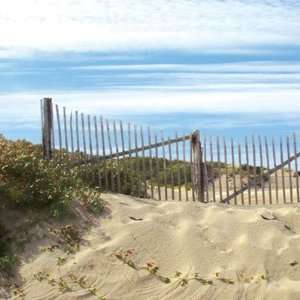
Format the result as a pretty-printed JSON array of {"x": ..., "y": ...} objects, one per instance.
[
  {"x": 184, "y": 170},
  {"x": 138, "y": 170},
  {"x": 268, "y": 167},
  {"x": 71, "y": 132},
  {"x": 179, "y": 169},
  {"x": 122, "y": 136},
  {"x": 111, "y": 158},
  {"x": 52, "y": 122},
  {"x": 42, "y": 117},
  {"x": 219, "y": 169},
  {"x": 241, "y": 172},
  {"x": 131, "y": 160},
  {"x": 226, "y": 167},
  {"x": 276, "y": 175},
  {"x": 171, "y": 170},
  {"x": 97, "y": 150},
  {"x": 118, "y": 158},
  {"x": 96, "y": 136},
  {"x": 90, "y": 135},
  {"x": 77, "y": 131},
  {"x": 254, "y": 169},
  {"x": 262, "y": 182},
  {"x": 248, "y": 170},
  {"x": 192, "y": 162},
  {"x": 58, "y": 127},
  {"x": 212, "y": 167},
  {"x": 157, "y": 168},
  {"x": 296, "y": 167},
  {"x": 282, "y": 171},
  {"x": 164, "y": 164},
  {"x": 143, "y": 161},
  {"x": 65, "y": 129},
  {"x": 289, "y": 168},
  {"x": 150, "y": 163},
  {"x": 205, "y": 155},
  {"x": 233, "y": 171},
  {"x": 102, "y": 136},
  {"x": 83, "y": 134},
  {"x": 103, "y": 153},
  {"x": 124, "y": 158}
]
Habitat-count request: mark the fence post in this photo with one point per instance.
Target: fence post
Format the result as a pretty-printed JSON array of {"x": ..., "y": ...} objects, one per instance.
[
  {"x": 198, "y": 173},
  {"x": 47, "y": 127}
]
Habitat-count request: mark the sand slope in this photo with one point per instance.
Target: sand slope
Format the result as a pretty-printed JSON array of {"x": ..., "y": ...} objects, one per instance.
[{"x": 246, "y": 256}]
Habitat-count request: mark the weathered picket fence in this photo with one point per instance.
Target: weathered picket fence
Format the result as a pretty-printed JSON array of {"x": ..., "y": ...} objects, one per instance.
[{"x": 130, "y": 159}]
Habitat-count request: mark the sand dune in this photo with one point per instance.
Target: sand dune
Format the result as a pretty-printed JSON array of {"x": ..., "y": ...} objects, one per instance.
[{"x": 237, "y": 253}]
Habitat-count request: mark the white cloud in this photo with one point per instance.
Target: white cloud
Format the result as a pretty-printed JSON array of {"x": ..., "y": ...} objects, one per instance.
[
  {"x": 261, "y": 66},
  {"x": 54, "y": 25},
  {"x": 124, "y": 102}
]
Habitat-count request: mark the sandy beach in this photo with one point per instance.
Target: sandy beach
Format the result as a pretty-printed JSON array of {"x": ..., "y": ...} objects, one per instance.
[{"x": 145, "y": 249}]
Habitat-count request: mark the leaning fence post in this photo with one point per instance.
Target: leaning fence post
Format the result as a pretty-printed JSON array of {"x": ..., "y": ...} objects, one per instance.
[
  {"x": 198, "y": 166},
  {"x": 47, "y": 127}
]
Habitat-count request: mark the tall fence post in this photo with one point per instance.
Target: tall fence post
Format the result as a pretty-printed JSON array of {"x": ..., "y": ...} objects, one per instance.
[
  {"x": 198, "y": 174},
  {"x": 47, "y": 127}
]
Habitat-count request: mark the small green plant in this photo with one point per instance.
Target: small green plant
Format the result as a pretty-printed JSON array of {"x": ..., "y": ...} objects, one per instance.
[
  {"x": 82, "y": 282},
  {"x": 61, "y": 261},
  {"x": 91, "y": 199},
  {"x": 68, "y": 235},
  {"x": 223, "y": 279},
  {"x": 61, "y": 283},
  {"x": 63, "y": 286},
  {"x": 41, "y": 276},
  {"x": 202, "y": 280},
  {"x": 183, "y": 281},
  {"x": 125, "y": 257},
  {"x": 151, "y": 267}
]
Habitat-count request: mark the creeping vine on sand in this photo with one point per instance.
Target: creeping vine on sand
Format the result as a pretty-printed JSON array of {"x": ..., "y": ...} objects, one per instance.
[
  {"x": 183, "y": 281},
  {"x": 151, "y": 267},
  {"x": 63, "y": 283}
]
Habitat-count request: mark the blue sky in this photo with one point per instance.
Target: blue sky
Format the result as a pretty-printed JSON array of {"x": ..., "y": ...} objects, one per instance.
[{"x": 123, "y": 57}]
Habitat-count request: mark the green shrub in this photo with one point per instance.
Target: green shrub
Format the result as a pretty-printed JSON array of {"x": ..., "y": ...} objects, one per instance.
[{"x": 27, "y": 180}]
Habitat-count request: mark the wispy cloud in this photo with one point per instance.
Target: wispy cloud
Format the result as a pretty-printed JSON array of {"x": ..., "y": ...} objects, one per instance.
[
  {"x": 124, "y": 102},
  {"x": 79, "y": 25},
  {"x": 257, "y": 67}
]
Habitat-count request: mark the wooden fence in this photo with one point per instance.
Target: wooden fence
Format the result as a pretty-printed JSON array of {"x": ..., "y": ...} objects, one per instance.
[{"x": 143, "y": 162}]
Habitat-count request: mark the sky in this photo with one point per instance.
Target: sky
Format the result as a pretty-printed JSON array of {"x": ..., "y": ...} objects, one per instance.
[{"x": 142, "y": 57}]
